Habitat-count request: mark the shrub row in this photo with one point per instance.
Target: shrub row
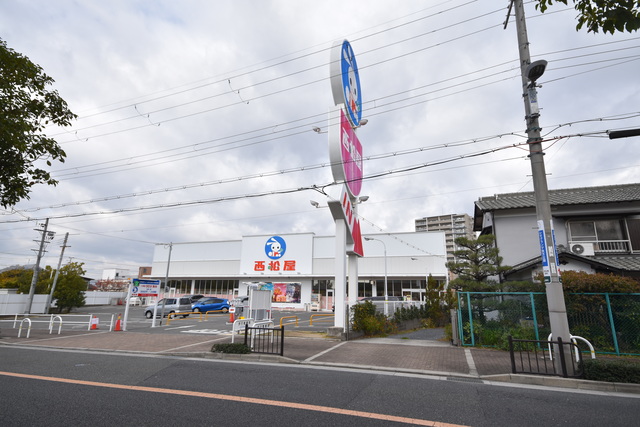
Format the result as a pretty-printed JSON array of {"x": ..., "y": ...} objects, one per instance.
[
  {"x": 618, "y": 371},
  {"x": 235, "y": 348},
  {"x": 367, "y": 320}
]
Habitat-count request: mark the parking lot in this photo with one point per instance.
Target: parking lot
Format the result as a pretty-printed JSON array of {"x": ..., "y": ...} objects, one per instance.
[{"x": 211, "y": 323}]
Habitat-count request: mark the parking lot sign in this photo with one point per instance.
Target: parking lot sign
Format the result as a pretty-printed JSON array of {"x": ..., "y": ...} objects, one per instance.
[{"x": 145, "y": 288}]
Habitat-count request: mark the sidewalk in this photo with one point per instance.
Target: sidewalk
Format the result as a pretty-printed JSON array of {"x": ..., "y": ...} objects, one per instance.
[{"x": 399, "y": 353}]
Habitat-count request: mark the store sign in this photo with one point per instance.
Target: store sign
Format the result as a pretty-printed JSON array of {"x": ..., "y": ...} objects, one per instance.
[
  {"x": 345, "y": 81},
  {"x": 353, "y": 224},
  {"x": 145, "y": 288},
  {"x": 345, "y": 154},
  {"x": 275, "y": 247},
  {"x": 277, "y": 255},
  {"x": 345, "y": 149}
]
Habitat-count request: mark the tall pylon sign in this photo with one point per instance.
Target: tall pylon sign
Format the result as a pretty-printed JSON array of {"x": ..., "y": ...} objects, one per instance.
[
  {"x": 345, "y": 155},
  {"x": 345, "y": 149}
]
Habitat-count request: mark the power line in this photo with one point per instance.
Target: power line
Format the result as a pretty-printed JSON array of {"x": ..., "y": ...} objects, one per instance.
[{"x": 305, "y": 168}]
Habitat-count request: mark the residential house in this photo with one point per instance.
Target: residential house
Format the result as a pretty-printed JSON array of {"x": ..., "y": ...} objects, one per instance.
[{"x": 597, "y": 229}]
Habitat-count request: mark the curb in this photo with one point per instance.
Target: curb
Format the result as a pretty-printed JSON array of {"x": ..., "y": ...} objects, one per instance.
[{"x": 572, "y": 383}]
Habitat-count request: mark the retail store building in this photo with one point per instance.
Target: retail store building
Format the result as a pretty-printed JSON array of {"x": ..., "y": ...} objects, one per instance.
[{"x": 300, "y": 268}]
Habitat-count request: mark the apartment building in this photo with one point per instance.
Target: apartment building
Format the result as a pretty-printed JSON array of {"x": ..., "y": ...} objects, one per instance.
[{"x": 453, "y": 225}]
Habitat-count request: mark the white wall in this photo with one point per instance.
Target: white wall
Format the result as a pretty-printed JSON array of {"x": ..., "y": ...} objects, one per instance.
[
  {"x": 222, "y": 259},
  {"x": 17, "y": 303}
]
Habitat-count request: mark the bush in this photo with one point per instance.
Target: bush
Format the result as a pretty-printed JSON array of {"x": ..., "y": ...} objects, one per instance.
[
  {"x": 235, "y": 348},
  {"x": 494, "y": 334},
  {"x": 370, "y": 322},
  {"x": 619, "y": 371}
]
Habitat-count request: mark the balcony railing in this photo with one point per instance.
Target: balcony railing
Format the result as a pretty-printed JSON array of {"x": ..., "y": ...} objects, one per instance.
[{"x": 612, "y": 246}]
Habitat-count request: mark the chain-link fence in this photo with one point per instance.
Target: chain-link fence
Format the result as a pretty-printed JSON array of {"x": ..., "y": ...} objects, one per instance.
[{"x": 610, "y": 321}]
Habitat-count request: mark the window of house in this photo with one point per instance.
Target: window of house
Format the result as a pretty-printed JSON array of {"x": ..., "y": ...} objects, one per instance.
[
  {"x": 633, "y": 225},
  {"x": 598, "y": 230}
]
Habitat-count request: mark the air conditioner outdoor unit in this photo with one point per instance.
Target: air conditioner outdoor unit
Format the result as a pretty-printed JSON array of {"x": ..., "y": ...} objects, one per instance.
[{"x": 584, "y": 249}]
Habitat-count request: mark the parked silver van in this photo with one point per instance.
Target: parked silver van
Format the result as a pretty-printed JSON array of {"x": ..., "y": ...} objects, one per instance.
[{"x": 171, "y": 305}]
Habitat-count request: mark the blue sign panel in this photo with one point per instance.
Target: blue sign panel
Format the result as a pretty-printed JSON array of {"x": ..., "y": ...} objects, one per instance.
[{"x": 345, "y": 81}]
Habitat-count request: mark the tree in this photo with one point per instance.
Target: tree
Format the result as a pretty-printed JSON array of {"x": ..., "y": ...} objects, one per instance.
[
  {"x": 26, "y": 107},
  {"x": 606, "y": 15},
  {"x": 20, "y": 278},
  {"x": 70, "y": 288},
  {"x": 476, "y": 262},
  {"x": 16, "y": 278}
]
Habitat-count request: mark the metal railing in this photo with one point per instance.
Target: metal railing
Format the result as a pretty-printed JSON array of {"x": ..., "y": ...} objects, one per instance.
[
  {"x": 613, "y": 246},
  {"x": 264, "y": 340},
  {"x": 282, "y": 322},
  {"x": 607, "y": 320},
  {"x": 52, "y": 319},
  {"x": 318, "y": 317},
  {"x": 535, "y": 357}
]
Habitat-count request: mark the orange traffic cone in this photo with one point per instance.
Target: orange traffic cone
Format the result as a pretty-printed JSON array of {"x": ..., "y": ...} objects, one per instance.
[
  {"x": 118, "y": 324},
  {"x": 94, "y": 322},
  {"x": 231, "y": 318}
]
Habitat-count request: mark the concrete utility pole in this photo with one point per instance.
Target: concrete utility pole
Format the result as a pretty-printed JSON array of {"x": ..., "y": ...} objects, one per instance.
[
  {"x": 55, "y": 279},
  {"x": 166, "y": 283},
  {"x": 46, "y": 236},
  {"x": 555, "y": 296}
]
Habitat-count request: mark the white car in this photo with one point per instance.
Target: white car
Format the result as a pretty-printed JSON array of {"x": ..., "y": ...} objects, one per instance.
[
  {"x": 135, "y": 301},
  {"x": 171, "y": 305}
]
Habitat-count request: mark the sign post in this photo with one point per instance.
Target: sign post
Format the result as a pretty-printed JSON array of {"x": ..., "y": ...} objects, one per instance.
[{"x": 141, "y": 288}]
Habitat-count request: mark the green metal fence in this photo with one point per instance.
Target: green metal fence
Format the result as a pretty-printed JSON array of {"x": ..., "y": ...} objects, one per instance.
[{"x": 610, "y": 321}]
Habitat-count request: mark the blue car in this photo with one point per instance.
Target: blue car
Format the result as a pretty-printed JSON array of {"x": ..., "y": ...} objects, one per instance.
[{"x": 210, "y": 304}]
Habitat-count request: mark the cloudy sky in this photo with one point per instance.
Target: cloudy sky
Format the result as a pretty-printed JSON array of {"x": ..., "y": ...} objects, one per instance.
[{"x": 196, "y": 117}]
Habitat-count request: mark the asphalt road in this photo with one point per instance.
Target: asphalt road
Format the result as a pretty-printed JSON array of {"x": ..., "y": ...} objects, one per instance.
[{"x": 62, "y": 388}]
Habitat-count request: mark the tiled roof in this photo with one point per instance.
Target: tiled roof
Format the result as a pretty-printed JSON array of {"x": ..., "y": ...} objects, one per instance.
[
  {"x": 622, "y": 262},
  {"x": 629, "y": 263},
  {"x": 569, "y": 196}
]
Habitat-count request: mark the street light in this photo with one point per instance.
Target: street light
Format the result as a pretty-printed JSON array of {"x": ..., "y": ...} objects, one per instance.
[{"x": 386, "y": 296}]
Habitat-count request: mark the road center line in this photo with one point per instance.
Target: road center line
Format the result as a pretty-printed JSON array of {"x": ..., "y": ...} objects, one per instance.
[{"x": 291, "y": 405}]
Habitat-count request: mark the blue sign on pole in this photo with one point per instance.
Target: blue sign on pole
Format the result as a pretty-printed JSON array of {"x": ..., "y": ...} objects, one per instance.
[{"x": 546, "y": 270}]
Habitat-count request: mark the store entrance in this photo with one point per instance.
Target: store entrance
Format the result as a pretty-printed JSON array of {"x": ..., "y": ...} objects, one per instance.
[{"x": 416, "y": 295}]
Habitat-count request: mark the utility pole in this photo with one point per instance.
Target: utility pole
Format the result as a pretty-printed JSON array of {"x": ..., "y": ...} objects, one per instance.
[
  {"x": 166, "y": 283},
  {"x": 55, "y": 279},
  {"x": 555, "y": 296},
  {"x": 46, "y": 237}
]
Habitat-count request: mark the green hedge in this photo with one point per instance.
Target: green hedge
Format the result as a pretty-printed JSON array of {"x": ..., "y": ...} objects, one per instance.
[
  {"x": 235, "y": 348},
  {"x": 618, "y": 371}
]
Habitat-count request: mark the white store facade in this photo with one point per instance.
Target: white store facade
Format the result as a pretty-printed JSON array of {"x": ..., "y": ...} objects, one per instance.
[{"x": 300, "y": 268}]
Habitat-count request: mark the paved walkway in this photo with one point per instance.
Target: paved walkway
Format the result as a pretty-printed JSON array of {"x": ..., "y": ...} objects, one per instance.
[{"x": 421, "y": 351}]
